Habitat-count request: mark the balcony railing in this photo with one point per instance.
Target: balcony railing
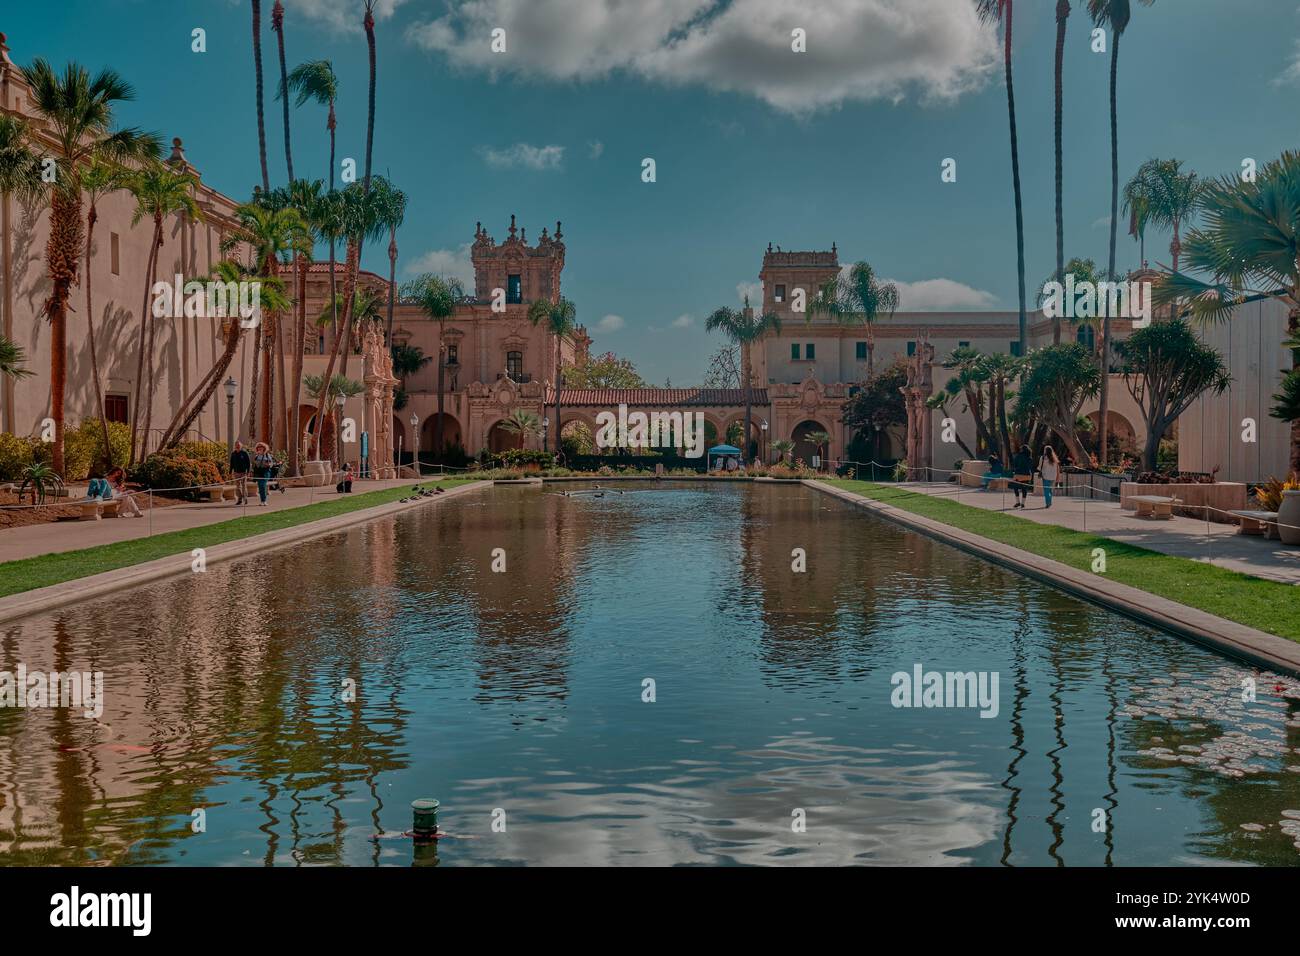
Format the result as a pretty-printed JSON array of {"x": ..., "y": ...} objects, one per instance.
[{"x": 519, "y": 378}]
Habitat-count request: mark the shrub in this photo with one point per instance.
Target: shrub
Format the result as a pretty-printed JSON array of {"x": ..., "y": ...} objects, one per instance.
[
  {"x": 518, "y": 457},
  {"x": 83, "y": 448},
  {"x": 1269, "y": 494},
  {"x": 214, "y": 452},
  {"x": 16, "y": 453},
  {"x": 172, "y": 470}
]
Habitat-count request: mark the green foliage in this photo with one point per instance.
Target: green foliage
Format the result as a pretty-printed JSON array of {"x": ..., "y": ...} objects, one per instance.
[
  {"x": 214, "y": 452},
  {"x": 41, "y": 478},
  {"x": 520, "y": 457},
  {"x": 172, "y": 470},
  {"x": 603, "y": 371},
  {"x": 16, "y": 453},
  {"x": 83, "y": 448},
  {"x": 879, "y": 403},
  {"x": 1288, "y": 398}
]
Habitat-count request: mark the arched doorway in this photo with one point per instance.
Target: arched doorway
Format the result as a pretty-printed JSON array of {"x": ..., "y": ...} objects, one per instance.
[
  {"x": 803, "y": 448},
  {"x": 451, "y": 434},
  {"x": 500, "y": 439},
  {"x": 1123, "y": 436}
]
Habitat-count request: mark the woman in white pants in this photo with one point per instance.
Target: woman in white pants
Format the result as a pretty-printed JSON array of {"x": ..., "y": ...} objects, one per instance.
[{"x": 126, "y": 501}]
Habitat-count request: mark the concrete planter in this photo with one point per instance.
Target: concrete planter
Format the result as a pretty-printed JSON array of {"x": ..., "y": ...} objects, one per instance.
[
  {"x": 1220, "y": 498},
  {"x": 316, "y": 474},
  {"x": 1288, "y": 518}
]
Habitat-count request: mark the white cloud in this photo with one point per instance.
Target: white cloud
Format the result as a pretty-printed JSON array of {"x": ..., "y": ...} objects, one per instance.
[
  {"x": 523, "y": 154},
  {"x": 752, "y": 289},
  {"x": 595, "y": 149},
  {"x": 683, "y": 321},
  {"x": 1102, "y": 223},
  {"x": 856, "y": 49},
  {"x": 611, "y": 323},
  {"x": 941, "y": 295},
  {"x": 1292, "y": 73},
  {"x": 449, "y": 263},
  {"x": 343, "y": 15}
]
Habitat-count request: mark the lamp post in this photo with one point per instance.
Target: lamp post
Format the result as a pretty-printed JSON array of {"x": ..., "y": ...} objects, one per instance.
[
  {"x": 231, "y": 388},
  {"x": 762, "y": 424},
  {"x": 546, "y": 428},
  {"x": 415, "y": 442}
]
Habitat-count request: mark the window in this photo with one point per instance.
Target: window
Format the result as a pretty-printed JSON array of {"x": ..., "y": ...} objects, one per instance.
[
  {"x": 1087, "y": 337},
  {"x": 115, "y": 408},
  {"x": 320, "y": 344},
  {"x": 1015, "y": 347},
  {"x": 860, "y": 351},
  {"x": 963, "y": 345},
  {"x": 515, "y": 365},
  {"x": 911, "y": 349},
  {"x": 452, "y": 354},
  {"x": 780, "y": 293},
  {"x": 810, "y": 351},
  {"x": 114, "y": 254},
  {"x": 794, "y": 352},
  {"x": 514, "y": 289}
]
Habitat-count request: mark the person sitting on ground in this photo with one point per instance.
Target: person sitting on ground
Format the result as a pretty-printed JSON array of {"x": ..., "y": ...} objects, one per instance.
[
  {"x": 345, "y": 486},
  {"x": 126, "y": 500}
]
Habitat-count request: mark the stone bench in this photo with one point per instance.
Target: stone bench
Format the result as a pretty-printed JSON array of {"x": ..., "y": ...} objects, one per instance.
[
  {"x": 1154, "y": 506},
  {"x": 1257, "y": 522},
  {"x": 95, "y": 508}
]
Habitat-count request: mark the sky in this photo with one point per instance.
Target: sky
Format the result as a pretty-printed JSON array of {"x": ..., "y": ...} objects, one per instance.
[{"x": 752, "y": 142}]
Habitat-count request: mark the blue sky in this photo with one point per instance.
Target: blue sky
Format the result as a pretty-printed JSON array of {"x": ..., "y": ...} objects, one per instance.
[{"x": 752, "y": 142}]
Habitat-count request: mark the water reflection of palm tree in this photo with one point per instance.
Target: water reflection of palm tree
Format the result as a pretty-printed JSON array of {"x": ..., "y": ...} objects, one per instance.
[{"x": 1017, "y": 738}]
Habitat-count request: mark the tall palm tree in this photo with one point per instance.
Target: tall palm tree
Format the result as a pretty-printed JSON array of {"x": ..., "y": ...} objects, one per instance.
[
  {"x": 820, "y": 440},
  {"x": 857, "y": 299},
  {"x": 1062, "y": 16},
  {"x": 1115, "y": 14},
  {"x": 369, "y": 23},
  {"x": 277, "y": 24},
  {"x": 1247, "y": 245},
  {"x": 995, "y": 12},
  {"x": 316, "y": 81},
  {"x": 99, "y": 179},
  {"x": 559, "y": 318},
  {"x": 1137, "y": 206},
  {"x": 436, "y": 297},
  {"x": 261, "y": 119},
  {"x": 745, "y": 329},
  {"x": 1174, "y": 197},
  {"x": 78, "y": 111},
  {"x": 305, "y": 197},
  {"x": 390, "y": 208},
  {"x": 408, "y": 360},
  {"x": 271, "y": 299},
  {"x": 522, "y": 423},
  {"x": 159, "y": 192}
]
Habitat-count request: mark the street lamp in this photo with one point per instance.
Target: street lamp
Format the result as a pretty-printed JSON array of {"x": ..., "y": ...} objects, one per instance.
[
  {"x": 762, "y": 424},
  {"x": 339, "y": 401},
  {"x": 415, "y": 442},
  {"x": 231, "y": 388},
  {"x": 546, "y": 428}
]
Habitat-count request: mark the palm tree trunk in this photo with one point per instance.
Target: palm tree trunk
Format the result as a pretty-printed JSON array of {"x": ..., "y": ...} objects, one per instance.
[
  {"x": 150, "y": 360},
  {"x": 91, "y": 218},
  {"x": 255, "y": 385},
  {"x": 871, "y": 352},
  {"x": 1103, "y": 414},
  {"x": 442, "y": 364},
  {"x": 331, "y": 123},
  {"x": 748, "y": 376},
  {"x": 146, "y": 313},
  {"x": 392, "y": 282},
  {"x": 339, "y": 334},
  {"x": 281, "y": 388},
  {"x": 1293, "y": 327},
  {"x": 277, "y": 24},
  {"x": 63, "y": 257},
  {"x": 300, "y": 335},
  {"x": 261, "y": 120},
  {"x": 1062, "y": 16},
  {"x": 268, "y": 383},
  {"x": 1015, "y": 179},
  {"x": 191, "y": 409},
  {"x": 369, "y": 23},
  {"x": 559, "y": 386}
]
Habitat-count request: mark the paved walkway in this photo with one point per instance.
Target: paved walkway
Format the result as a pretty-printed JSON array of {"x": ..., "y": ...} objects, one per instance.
[
  {"x": 59, "y": 536},
  {"x": 1179, "y": 536}
]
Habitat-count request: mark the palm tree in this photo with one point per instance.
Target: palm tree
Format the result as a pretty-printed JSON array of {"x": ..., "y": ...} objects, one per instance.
[
  {"x": 274, "y": 234},
  {"x": 559, "y": 319},
  {"x": 1115, "y": 14},
  {"x": 857, "y": 299},
  {"x": 1248, "y": 245},
  {"x": 159, "y": 192},
  {"x": 820, "y": 440},
  {"x": 277, "y": 25},
  {"x": 390, "y": 209},
  {"x": 78, "y": 112},
  {"x": 261, "y": 120},
  {"x": 1001, "y": 11},
  {"x": 99, "y": 179},
  {"x": 744, "y": 329},
  {"x": 522, "y": 423},
  {"x": 1062, "y": 16},
  {"x": 271, "y": 299},
  {"x": 407, "y": 360},
  {"x": 369, "y": 23},
  {"x": 307, "y": 199},
  {"x": 315, "y": 80},
  {"x": 12, "y": 359},
  {"x": 783, "y": 447},
  {"x": 436, "y": 297},
  {"x": 1137, "y": 206},
  {"x": 338, "y": 385},
  {"x": 1173, "y": 198}
]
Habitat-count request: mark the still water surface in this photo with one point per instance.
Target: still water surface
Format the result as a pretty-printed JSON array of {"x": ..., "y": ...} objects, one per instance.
[{"x": 523, "y": 691}]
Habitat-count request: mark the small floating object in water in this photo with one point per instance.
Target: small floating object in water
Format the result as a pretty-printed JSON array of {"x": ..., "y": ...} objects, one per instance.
[{"x": 424, "y": 813}]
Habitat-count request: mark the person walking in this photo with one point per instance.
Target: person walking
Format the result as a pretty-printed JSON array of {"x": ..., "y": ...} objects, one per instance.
[
  {"x": 1049, "y": 466},
  {"x": 1022, "y": 476},
  {"x": 263, "y": 465},
  {"x": 240, "y": 465}
]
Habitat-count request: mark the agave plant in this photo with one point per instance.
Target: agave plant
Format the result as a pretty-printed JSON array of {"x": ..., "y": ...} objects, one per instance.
[
  {"x": 783, "y": 447},
  {"x": 1269, "y": 493},
  {"x": 41, "y": 477}
]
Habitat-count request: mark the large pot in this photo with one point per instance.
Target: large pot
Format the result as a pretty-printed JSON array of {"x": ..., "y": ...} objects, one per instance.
[
  {"x": 316, "y": 474},
  {"x": 1288, "y": 518}
]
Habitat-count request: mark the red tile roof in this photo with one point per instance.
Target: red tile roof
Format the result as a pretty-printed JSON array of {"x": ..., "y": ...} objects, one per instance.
[{"x": 652, "y": 397}]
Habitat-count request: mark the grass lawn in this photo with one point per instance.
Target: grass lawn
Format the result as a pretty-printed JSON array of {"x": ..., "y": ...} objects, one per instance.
[
  {"x": 1266, "y": 605},
  {"x": 30, "y": 573}
]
